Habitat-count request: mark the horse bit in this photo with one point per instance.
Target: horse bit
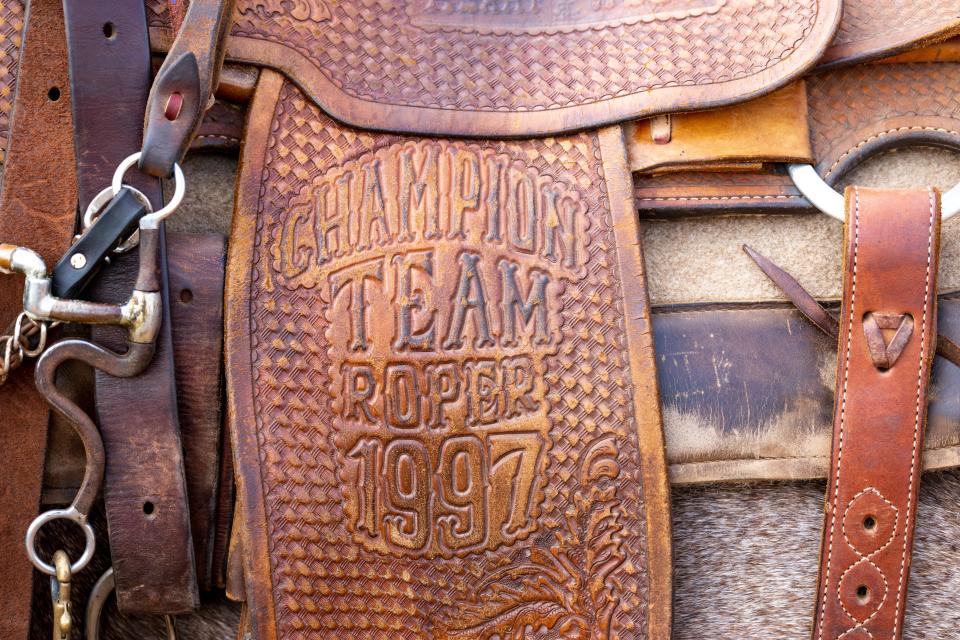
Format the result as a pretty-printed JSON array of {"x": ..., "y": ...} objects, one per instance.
[{"x": 118, "y": 219}]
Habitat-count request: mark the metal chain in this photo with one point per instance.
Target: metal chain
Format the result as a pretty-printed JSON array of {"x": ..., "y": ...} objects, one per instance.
[{"x": 27, "y": 338}]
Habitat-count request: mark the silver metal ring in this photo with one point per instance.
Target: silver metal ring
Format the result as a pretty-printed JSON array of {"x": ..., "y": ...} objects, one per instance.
[
  {"x": 97, "y": 600},
  {"x": 100, "y": 201},
  {"x": 179, "y": 188},
  {"x": 827, "y": 200},
  {"x": 72, "y": 515}
]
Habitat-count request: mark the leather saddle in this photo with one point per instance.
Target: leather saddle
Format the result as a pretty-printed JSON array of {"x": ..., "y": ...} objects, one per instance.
[{"x": 442, "y": 412}]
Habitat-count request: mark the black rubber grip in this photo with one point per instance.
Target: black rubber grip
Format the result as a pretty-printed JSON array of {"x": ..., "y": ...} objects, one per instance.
[{"x": 115, "y": 224}]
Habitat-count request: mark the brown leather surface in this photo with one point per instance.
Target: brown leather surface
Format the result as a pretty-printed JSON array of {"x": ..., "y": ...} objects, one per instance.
[
  {"x": 533, "y": 69},
  {"x": 36, "y": 209},
  {"x": 107, "y": 122},
  {"x": 763, "y": 422},
  {"x": 144, "y": 487},
  {"x": 734, "y": 413},
  {"x": 144, "y": 483},
  {"x": 183, "y": 87},
  {"x": 186, "y": 252},
  {"x": 875, "y": 28},
  {"x": 11, "y": 39},
  {"x": 221, "y": 129},
  {"x": 196, "y": 312},
  {"x": 853, "y": 114},
  {"x": 772, "y": 128},
  {"x": 538, "y": 413},
  {"x": 892, "y": 244}
]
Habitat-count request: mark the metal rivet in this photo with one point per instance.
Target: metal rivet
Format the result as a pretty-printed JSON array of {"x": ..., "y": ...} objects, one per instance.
[{"x": 78, "y": 261}]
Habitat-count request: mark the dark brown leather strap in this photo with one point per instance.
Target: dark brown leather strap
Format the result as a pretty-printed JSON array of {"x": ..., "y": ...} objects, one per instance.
[
  {"x": 196, "y": 310},
  {"x": 183, "y": 89},
  {"x": 144, "y": 487},
  {"x": 37, "y": 205},
  {"x": 887, "y": 333}
]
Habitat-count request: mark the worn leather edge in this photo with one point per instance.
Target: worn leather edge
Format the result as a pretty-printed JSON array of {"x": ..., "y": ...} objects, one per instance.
[
  {"x": 430, "y": 121},
  {"x": 885, "y": 44},
  {"x": 38, "y": 211},
  {"x": 196, "y": 264},
  {"x": 646, "y": 397},
  {"x": 784, "y": 469},
  {"x": 727, "y": 452},
  {"x": 254, "y": 539}
]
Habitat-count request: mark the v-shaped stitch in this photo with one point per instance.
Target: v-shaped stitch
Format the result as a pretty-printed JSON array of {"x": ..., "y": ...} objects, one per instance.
[{"x": 883, "y": 353}]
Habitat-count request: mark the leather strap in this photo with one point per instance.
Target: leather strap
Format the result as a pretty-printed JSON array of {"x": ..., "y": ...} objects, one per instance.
[
  {"x": 196, "y": 309},
  {"x": 887, "y": 333},
  {"x": 183, "y": 89},
  {"x": 36, "y": 209},
  {"x": 739, "y": 137},
  {"x": 144, "y": 487}
]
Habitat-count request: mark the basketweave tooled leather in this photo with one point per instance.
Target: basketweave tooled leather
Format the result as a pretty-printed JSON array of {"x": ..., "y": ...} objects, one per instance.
[
  {"x": 11, "y": 28},
  {"x": 449, "y": 426},
  {"x": 875, "y": 28},
  {"x": 853, "y": 113},
  {"x": 426, "y": 67}
]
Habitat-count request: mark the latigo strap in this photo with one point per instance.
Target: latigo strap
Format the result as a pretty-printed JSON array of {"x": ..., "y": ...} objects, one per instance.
[
  {"x": 887, "y": 338},
  {"x": 145, "y": 489}
]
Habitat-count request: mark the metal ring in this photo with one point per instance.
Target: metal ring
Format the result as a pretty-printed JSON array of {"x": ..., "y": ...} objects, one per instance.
[
  {"x": 100, "y": 201},
  {"x": 60, "y": 514},
  {"x": 827, "y": 200},
  {"x": 97, "y": 600},
  {"x": 179, "y": 188}
]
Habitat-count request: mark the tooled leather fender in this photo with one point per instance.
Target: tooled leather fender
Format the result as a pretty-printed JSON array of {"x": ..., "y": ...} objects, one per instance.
[
  {"x": 887, "y": 333},
  {"x": 441, "y": 385}
]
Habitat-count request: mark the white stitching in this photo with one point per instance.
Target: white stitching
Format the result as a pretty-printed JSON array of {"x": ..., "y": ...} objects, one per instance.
[
  {"x": 916, "y": 416},
  {"x": 219, "y": 137},
  {"x": 865, "y": 630},
  {"x": 880, "y": 135},
  {"x": 684, "y": 198},
  {"x": 893, "y": 532},
  {"x": 886, "y": 591},
  {"x": 843, "y": 408}
]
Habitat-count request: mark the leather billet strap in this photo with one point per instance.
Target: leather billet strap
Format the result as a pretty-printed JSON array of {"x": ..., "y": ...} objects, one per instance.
[
  {"x": 183, "y": 89},
  {"x": 887, "y": 333},
  {"x": 441, "y": 384},
  {"x": 37, "y": 202},
  {"x": 145, "y": 490}
]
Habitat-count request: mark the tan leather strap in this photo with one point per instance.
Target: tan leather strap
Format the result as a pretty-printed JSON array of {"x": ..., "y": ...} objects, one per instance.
[
  {"x": 887, "y": 333},
  {"x": 740, "y": 137}
]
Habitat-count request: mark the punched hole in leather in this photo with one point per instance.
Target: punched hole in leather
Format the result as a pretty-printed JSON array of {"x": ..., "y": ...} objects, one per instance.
[{"x": 887, "y": 341}]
